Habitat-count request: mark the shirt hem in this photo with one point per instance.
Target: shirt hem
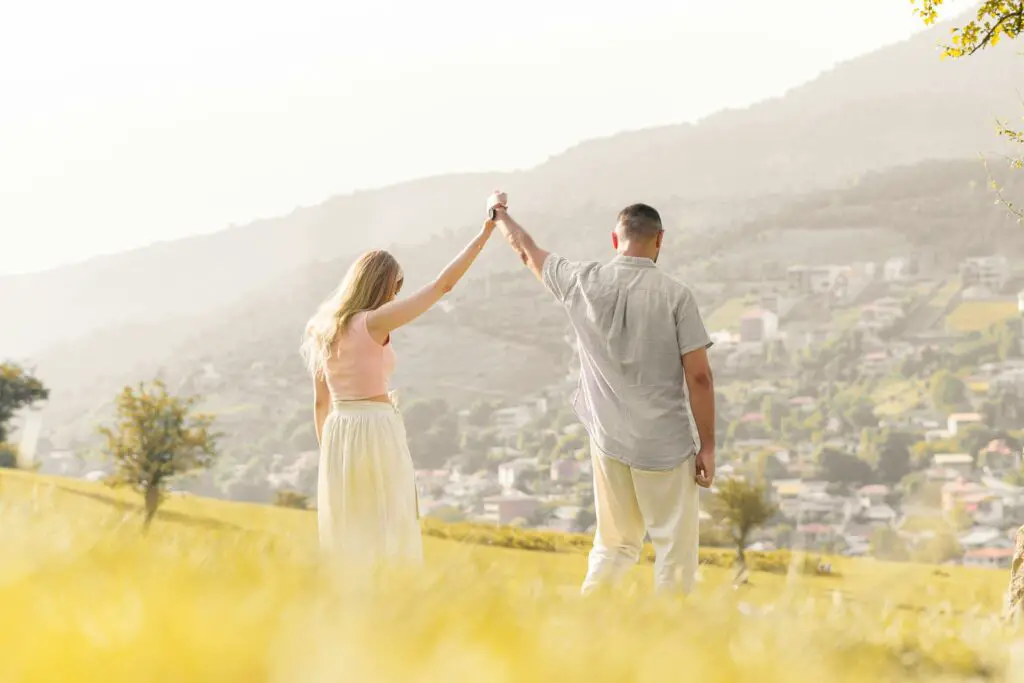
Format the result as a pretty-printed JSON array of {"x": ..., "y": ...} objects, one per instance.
[
  {"x": 624, "y": 460},
  {"x": 696, "y": 347}
]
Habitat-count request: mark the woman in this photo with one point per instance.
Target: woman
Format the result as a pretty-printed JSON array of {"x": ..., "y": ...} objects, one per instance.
[{"x": 366, "y": 492}]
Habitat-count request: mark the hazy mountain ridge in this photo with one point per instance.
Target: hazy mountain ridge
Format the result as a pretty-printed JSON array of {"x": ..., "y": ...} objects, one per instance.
[
  {"x": 240, "y": 297},
  {"x": 900, "y": 105},
  {"x": 244, "y": 357}
]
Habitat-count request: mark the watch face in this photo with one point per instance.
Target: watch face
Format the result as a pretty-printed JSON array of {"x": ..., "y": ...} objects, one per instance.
[{"x": 493, "y": 213}]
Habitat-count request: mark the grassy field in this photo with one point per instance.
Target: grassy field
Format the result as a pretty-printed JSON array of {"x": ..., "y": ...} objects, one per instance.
[
  {"x": 225, "y": 592},
  {"x": 977, "y": 316}
]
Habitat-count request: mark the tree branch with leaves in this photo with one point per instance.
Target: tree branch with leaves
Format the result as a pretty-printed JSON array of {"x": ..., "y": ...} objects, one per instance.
[
  {"x": 992, "y": 21},
  {"x": 156, "y": 438}
]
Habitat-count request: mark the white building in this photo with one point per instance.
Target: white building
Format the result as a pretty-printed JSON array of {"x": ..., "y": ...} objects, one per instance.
[
  {"x": 510, "y": 473},
  {"x": 897, "y": 269},
  {"x": 992, "y": 272},
  {"x": 958, "y": 420},
  {"x": 960, "y": 462}
]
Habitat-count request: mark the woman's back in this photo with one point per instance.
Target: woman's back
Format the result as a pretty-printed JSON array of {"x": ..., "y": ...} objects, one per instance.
[{"x": 359, "y": 367}]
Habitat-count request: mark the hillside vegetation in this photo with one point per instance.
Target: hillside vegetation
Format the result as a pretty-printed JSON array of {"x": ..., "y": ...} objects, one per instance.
[
  {"x": 231, "y": 592},
  {"x": 504, "y": 336}
]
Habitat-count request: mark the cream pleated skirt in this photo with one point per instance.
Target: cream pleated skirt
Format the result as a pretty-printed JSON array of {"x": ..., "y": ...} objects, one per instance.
[{"x": 367, "y": 508}]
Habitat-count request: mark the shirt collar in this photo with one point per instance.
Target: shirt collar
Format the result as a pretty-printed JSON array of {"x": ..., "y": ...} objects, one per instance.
[{"x": 638, "y": 261}]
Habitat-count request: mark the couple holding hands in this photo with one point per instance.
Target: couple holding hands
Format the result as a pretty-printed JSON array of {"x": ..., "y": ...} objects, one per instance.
[{"x": 646, "y": 398}]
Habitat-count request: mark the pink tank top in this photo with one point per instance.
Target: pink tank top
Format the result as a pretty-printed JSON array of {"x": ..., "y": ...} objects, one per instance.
[{"x": 359, "y": 367}]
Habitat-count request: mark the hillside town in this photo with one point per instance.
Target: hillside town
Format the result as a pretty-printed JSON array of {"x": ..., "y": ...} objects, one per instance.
[{"x": 881, "y": 403}]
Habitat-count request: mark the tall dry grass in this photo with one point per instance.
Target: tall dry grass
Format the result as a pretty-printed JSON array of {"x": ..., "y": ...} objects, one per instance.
[{"x": 238, "y": 594}]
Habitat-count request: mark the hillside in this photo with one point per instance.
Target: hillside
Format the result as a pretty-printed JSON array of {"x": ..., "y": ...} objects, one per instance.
[
  {"x": 229, "y": 592},
  {"x": 503, "y": 337},
  {"x": 900, "y": 105}
]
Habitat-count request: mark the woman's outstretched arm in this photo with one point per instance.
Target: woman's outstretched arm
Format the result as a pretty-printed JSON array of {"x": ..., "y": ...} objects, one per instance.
[{"x": 395, "y": 314}]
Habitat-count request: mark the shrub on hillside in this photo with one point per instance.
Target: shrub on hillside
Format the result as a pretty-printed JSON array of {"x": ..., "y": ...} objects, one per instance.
[
  {"x": 775, "y": 562},
  {"x": 291, "y": 499},
  {"x": 8, "y": 456}
]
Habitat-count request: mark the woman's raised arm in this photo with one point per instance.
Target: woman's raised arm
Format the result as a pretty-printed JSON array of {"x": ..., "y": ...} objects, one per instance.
[{"x": 389, "y": 317}]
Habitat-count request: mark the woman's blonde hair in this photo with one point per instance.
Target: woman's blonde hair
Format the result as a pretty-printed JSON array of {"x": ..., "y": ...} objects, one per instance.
[{"x": 372, "y": 281}]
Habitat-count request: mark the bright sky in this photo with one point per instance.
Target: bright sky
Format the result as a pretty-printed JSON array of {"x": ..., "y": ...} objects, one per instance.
[{"x": 126, "y": 122}]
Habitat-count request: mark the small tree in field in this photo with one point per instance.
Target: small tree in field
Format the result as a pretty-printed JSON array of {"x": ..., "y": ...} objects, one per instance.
[
  {"x": 742, "y": 507},
  {"x": 287, "y": 498},
  {"x": 18, "y": 389},
  {"x": 156, "y": 438}
]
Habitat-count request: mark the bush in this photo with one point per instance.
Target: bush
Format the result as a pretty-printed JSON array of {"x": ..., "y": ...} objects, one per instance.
[
  {"x": 291, "y": 499},
  {"x": 8, "y": 456},
  {"x": 774, "y": 562}
]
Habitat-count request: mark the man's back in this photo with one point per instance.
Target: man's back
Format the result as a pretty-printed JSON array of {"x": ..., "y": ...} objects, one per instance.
[{"x": 633, "y": 323}]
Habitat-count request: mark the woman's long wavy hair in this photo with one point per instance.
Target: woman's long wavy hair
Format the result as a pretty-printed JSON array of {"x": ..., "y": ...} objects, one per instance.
[{"x": 372, "y": 281}]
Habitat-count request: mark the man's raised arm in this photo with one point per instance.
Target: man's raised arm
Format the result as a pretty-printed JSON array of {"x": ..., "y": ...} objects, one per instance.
[{"x": 520, "y": 240}]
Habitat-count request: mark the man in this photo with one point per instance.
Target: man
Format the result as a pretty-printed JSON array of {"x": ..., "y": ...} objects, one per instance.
[{"x": 641, "y": 339}]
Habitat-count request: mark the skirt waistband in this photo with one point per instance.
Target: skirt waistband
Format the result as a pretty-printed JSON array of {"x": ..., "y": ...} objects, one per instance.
[{"x": 362, "y": 407}]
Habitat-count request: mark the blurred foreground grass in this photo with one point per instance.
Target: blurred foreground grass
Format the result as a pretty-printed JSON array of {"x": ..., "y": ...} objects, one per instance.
[{"x": 225, "y": 592}]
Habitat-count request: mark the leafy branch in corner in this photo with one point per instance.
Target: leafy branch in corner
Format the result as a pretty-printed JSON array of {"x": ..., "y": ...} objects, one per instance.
[{"x": 993, "y": 21}]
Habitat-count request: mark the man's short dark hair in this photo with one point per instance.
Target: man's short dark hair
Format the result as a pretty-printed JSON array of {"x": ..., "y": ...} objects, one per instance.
[{"x": 640, "y": 222}]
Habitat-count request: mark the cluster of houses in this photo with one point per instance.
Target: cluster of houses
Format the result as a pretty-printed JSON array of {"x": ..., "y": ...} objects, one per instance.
[
  {"x": 808, "y": 305},
  {"x": 847, "y": 523},
  {"x": 798, "y": 309}
]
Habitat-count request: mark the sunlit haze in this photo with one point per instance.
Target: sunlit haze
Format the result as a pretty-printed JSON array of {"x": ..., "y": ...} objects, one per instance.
[{"x": 125, "y": 123}]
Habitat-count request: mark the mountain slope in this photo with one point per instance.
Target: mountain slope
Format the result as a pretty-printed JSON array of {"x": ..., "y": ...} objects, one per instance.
[
  {"x": 900, "y": 105},
  {"x": 503, "y": 336}
]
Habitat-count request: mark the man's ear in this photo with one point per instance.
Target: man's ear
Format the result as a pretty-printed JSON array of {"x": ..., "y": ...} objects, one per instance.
[
  {"x": 615, "y": 240},
  {"x": 661, "y": 236}
]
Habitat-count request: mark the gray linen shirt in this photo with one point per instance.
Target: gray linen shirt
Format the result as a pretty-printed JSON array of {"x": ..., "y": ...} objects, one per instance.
[{"x": 633, "y": 323}]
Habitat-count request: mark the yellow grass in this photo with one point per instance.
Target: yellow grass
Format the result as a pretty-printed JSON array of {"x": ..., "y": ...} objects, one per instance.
[
  {"x": 224, "y": 593},
  {"x": 976, "y": 316}
]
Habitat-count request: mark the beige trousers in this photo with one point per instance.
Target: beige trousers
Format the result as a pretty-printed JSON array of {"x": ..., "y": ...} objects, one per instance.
[{"x": 629, "y": 502}]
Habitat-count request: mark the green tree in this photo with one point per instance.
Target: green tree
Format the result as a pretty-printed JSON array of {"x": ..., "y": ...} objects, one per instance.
[
  {"x": 973, "y": 438},
  {"x": 18, "y": 389},
  {"x": 567, "y": 445},
  {"x": 947, "y": 392},
  {"x": 742, "y": 507},
  {"x": 157, "y": 437},
  {"x": 8, "y": 456},
  {"x": 287, "y": 498},
  {"x": 774, "y": 411},
  {"x": 893, "y": 450},
  {"x": 769, "y": 467},
  {"x": 860, "y": 414},
  {"x": 480, "y": 413},
  {"x": 839, "y": 467}
]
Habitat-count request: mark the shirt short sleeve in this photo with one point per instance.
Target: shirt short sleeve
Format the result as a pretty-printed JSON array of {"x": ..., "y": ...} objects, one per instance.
[
  {"x": 690, "y": 330},
  {"x": 560, "y": 276}
]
